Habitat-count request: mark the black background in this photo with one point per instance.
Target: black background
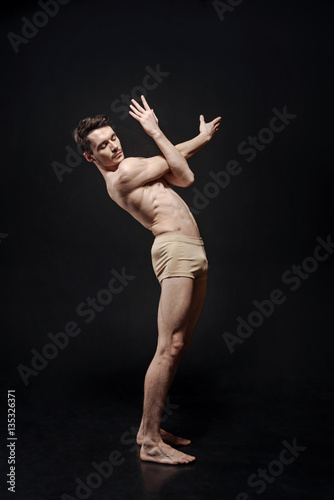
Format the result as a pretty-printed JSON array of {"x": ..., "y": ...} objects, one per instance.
[{"x": 64, "y": 238}]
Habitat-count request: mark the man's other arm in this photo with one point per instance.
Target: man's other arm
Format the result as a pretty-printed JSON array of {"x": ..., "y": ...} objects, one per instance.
[{"x": 207, "y": 132}]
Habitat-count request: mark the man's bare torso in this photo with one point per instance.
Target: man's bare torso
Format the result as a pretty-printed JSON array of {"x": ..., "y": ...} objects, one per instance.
[{"x": 154, "y": 204}]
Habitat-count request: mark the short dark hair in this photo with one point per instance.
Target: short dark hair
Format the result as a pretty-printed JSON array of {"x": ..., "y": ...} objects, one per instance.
[{"x": 87, "y": 125}]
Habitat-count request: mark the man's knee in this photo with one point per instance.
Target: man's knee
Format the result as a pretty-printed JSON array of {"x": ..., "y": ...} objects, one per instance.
[
  {"x": 177, "y": 349},
  {"x": 172, "y": 351}
]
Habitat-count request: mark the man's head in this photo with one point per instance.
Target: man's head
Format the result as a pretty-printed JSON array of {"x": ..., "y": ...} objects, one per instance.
[{"x": 98, "y": 141}]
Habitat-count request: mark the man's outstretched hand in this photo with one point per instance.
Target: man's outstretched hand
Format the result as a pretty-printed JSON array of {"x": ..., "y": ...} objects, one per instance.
[
  {"x": 145, "y": 116},
  {"x": 148, "y": 120},
  {"x": 209, "y": 129}
]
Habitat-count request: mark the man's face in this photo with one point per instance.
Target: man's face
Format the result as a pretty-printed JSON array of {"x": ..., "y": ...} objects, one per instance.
[{"x": 105, "y": 145}]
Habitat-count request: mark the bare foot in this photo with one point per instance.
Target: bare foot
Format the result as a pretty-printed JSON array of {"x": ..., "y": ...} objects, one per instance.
[
  {"x": 167, "y": 437},
  {"x": 164, "y": 454}
]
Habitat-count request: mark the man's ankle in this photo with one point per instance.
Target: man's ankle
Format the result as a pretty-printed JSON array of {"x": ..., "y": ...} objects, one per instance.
[{"x": 151, "y": 440}]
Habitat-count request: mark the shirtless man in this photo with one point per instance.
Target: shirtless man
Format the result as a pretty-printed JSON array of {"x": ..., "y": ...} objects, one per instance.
[{"x": 141, "y": 186}]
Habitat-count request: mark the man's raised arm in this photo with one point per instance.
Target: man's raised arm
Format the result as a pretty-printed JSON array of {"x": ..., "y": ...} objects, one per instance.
[
  {"x": 189, "y": 148},
  {"x": 179, "y": 168},
  {"x": 206, "y": 132}
]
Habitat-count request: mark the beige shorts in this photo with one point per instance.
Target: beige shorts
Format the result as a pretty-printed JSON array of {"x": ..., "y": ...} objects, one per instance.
[{"x": 175, "y": 254}]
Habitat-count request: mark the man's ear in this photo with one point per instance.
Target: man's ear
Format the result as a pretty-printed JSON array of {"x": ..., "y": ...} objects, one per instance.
[{"x": 89, "y": 157}]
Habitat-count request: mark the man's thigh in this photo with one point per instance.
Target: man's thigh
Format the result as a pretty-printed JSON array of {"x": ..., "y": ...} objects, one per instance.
[
  {"x": 197, "y": 303},
  {"x": 175, "y": 305}
]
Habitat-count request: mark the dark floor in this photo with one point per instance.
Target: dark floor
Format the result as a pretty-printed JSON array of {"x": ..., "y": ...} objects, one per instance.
[{"x": 233, "y": 435}]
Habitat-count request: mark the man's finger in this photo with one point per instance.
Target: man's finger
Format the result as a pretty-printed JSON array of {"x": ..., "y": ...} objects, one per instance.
[
  {"x": 134, "y": 116},
  {"x": 138, "y": 106},
  {"x": 146, "y": 106},
  {"x": 134, "y": 110}
]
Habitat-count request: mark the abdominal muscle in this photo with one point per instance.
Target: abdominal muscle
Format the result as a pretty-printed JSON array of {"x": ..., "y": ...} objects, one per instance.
[{"x": 160, "y": 209}]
